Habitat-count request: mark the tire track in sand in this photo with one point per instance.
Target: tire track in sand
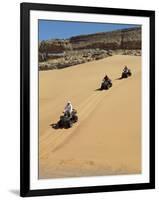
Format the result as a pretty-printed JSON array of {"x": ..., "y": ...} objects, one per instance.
[
  {"x": 86, "y": 101},
  {"x": 48, "y": 133},
  {"x": 86, "y": 108}
]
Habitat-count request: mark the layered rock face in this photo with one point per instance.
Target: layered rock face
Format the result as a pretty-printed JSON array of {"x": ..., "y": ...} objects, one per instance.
[
  {"x": 84, "y": 48},
  {"x": 54, "y": 46},
  {"x": 122, "y": 39}
]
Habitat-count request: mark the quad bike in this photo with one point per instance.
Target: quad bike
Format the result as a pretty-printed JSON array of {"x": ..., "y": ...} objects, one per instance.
[
  {"x": 67, "y": 121},
  {"x": 126, "y": 74},
  {"x": 106, "y": 85}
]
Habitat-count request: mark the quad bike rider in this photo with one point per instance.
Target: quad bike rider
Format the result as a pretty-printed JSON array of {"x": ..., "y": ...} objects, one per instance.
[
  {"x": 126, "y": 72},
  {"x": 106, "y": 83},
  {"x": 68, "y": 118},
  {"x": 68, "y": 109}
]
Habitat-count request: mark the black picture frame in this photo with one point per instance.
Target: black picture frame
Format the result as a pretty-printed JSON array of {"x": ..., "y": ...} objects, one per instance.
[{"x": 25, "y": 9}]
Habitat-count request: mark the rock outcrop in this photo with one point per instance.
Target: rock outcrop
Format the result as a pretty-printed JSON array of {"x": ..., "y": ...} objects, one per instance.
[
  {"x": 121, "y": 39},
  {"x": 57, "y": 53},
  {"x": 54, "y": 46}
]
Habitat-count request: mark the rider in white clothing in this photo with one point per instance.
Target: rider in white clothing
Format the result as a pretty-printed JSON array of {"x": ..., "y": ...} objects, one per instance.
[{"x": 68, "y": 108}]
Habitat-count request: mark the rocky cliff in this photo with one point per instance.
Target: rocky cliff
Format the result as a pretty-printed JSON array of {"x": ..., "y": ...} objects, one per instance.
[
  {"x": 84, "y": 48},
  {"x": 120, "y": 39}
]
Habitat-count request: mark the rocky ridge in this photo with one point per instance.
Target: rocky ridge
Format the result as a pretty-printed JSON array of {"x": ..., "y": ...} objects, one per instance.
[{"x": 58, "y": 53}]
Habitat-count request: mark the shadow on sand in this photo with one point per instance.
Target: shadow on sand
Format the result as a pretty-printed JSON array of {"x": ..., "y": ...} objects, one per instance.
[
  {"x": 98, "y": 89},
  {"x": 120, "y": 78},
  {"x": 55, "y": 126}
]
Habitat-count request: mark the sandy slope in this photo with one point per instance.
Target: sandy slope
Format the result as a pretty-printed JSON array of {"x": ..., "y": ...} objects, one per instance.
[{"x": 106, "y": 140}]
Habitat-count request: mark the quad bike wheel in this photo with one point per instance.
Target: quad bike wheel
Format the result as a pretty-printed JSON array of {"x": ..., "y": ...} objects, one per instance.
[
  {"x": 75, "y": 118},
  {"x": 68, "y": 124},
  {"x": 124, "y": 75},
  {"x": 129, "y": 73}
]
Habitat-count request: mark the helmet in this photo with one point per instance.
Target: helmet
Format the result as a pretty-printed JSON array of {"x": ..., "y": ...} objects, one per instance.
[{"x": 69, "y": 102}]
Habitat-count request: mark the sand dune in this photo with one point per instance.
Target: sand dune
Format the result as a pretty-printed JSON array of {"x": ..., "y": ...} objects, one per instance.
[{"x": 107, "y": 138}]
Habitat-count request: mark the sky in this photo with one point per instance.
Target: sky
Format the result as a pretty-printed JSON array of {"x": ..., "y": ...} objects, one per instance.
[{"x": 50, "y": 29}]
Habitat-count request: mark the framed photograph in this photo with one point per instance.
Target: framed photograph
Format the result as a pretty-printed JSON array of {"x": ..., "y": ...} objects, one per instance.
[{"x": 87, "y": 99}]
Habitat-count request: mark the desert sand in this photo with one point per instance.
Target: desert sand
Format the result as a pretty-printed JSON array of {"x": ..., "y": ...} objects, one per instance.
[{"x": 107, "y": 138}]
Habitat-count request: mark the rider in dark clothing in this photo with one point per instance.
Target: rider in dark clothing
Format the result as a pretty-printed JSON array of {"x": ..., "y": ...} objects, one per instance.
[
  {"x": 125, "y": 70},
  {"x": 106, "y": 78}
]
